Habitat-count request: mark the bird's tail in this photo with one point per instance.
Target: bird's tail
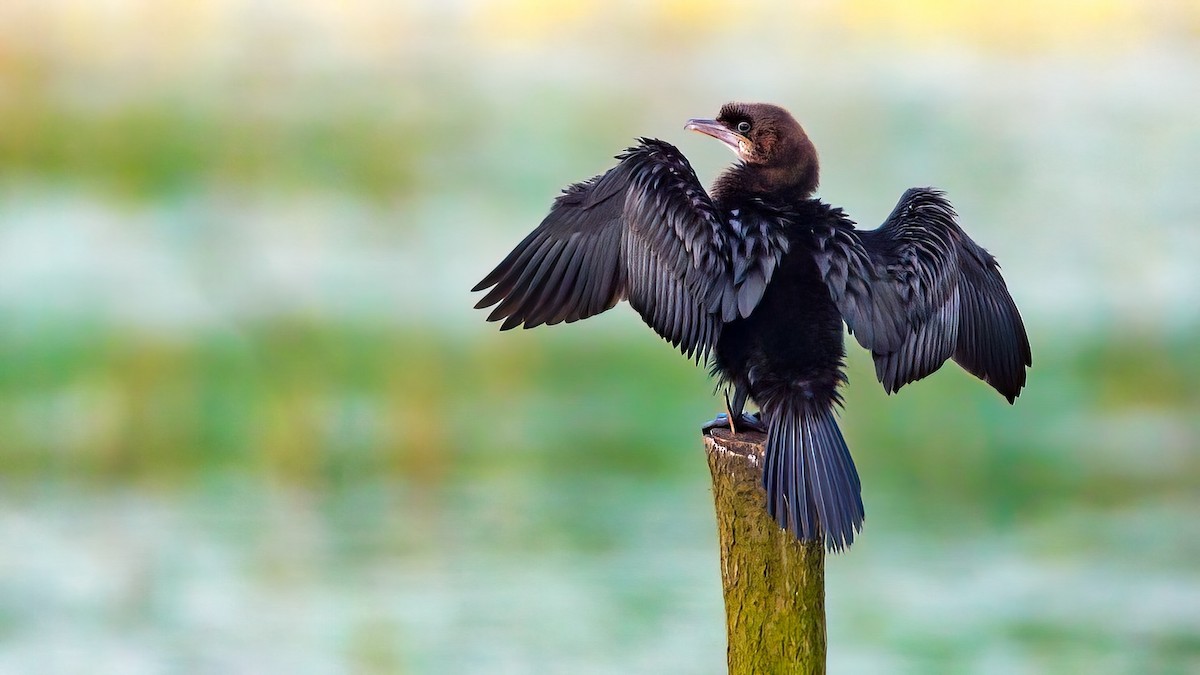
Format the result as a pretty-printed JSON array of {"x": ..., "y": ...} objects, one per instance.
[{"x": 812, "y": 486}]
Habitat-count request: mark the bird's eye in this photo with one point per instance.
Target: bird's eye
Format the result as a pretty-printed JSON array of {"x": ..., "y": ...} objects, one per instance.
[{"x": 743, "y": 127}]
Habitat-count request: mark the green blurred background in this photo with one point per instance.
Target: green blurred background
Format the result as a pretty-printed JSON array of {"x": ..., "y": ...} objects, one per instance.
[{"x": 250, "y": 423}]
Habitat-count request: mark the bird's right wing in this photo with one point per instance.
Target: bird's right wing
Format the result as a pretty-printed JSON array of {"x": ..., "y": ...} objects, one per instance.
[{"x": 645, "y": 231}]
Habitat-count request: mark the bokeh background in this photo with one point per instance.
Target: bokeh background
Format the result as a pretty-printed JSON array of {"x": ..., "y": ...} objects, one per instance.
[{"x": 250, "y": 423}]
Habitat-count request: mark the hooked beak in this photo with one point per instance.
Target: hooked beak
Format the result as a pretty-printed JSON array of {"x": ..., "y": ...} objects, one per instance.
[{"x": 736, "y": 142}]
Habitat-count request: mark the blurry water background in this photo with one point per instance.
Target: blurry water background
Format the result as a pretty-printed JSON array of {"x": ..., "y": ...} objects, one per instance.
[{"x": 250, "y": 423}]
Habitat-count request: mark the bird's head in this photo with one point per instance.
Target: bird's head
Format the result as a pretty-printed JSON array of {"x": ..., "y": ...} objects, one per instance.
[{"x": 776, "y": 154}]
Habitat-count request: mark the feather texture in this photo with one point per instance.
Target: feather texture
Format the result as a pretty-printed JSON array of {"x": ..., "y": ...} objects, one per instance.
[
  {"x": 918, "y": 291},
  {"x": 646, "y": 232},
  {"x": 813, "y": 489}
]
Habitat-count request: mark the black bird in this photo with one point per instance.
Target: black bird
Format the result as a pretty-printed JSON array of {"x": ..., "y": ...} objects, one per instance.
[{"x": 757, "y": 279}]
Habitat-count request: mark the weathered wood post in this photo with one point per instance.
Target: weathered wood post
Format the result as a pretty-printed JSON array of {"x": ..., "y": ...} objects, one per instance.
[{"x": 774, "y": 585}]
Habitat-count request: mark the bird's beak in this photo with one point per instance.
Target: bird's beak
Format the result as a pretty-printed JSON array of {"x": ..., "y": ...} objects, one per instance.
[{"x": 736, "y": 142}]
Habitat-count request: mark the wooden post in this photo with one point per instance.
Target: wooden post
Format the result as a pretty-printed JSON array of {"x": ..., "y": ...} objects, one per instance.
[{"x": 774, "y": 585}]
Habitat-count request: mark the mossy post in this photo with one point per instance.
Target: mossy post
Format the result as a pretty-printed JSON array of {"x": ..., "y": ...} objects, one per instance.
[{"x": 774, "y": 585}]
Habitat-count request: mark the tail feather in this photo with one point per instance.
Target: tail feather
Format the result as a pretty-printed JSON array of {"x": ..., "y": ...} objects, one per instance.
[{"x": 813, "y": 489}]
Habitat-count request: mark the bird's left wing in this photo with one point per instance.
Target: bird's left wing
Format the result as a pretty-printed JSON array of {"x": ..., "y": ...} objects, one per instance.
[
  {"x": 645, "y": 231},
  {"x": 917, "y": 291}
]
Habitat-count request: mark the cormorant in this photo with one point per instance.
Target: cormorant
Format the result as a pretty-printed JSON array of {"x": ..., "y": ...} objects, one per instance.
[{"x": 757, "y": 278}]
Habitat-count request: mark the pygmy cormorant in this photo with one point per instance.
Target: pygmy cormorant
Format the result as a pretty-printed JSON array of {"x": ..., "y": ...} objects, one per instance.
[{"x": 757, "y": 278}]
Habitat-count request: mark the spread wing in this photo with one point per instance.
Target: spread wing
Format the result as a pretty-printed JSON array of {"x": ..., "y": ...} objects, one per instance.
[
  {"x": 917, "y": 291},
  {"x": 645, "y": 231}
]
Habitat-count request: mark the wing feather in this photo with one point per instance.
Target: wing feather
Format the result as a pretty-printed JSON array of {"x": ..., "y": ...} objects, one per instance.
[
  {"x": 995, "y": 347},
  {"x": 918, "y": 291},
  {"x": 645, "y": 231}
]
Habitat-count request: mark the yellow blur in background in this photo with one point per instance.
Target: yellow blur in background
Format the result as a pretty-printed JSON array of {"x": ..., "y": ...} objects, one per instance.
[{"x": 249, "y": 421}]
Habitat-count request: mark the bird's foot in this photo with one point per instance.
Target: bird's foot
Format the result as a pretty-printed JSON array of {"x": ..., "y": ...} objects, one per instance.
[
  {"x": 744, "y": 422},
  {"x": 752, "y": 422},
  {"x": 721, "y": 421}
]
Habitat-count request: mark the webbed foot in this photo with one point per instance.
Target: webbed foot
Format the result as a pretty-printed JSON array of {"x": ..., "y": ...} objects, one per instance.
[{"x": 743, "y": 423}]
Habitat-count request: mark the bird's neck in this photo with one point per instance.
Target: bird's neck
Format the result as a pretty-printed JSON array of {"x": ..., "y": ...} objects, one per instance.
[{"x": 790, "y": 183}]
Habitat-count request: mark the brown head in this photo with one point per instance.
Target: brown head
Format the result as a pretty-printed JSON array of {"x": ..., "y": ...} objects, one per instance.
[{"x": 776, "y": 154}]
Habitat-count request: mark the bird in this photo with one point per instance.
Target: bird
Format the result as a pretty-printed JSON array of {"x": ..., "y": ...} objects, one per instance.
[{"x": 756, "y": 278}]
